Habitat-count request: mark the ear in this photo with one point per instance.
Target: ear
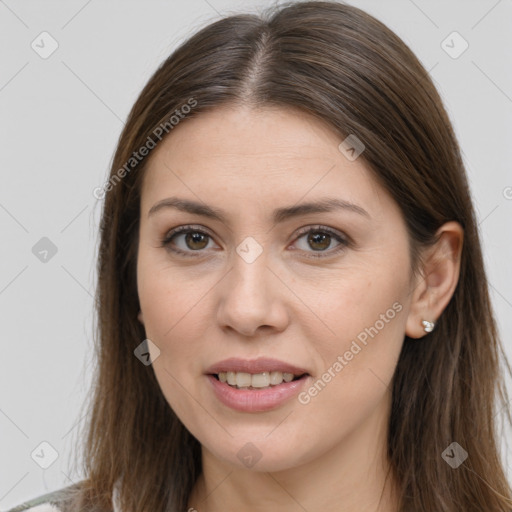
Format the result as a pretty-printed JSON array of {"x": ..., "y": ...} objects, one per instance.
[
  {"x": 439, "y": 275},
  {"x": 140, "y": 317}
]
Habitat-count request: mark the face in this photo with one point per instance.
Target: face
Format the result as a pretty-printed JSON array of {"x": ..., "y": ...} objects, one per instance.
[{"x": 258, "y": 284}]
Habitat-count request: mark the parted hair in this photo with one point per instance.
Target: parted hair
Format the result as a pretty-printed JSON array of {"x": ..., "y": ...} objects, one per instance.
[{"x": 338, "y": 63}]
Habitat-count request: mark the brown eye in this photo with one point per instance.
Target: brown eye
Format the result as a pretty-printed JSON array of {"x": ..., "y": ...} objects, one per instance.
[
  {"x": 186, "y": 240},
  {"x": 196, "y": 240},
  {"x": 190, "y": 241},
  {"x": 322, "y": 241},
  {"x": 319, "y": 241}
]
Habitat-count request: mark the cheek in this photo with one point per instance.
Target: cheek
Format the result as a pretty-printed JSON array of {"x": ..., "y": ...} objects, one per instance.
[
  {"x": 168, "y": 296},
  {"x": 177, "y": 315},
  {"x": 354, "y": 384},
  {"x": 365, "y": 314},
  {"x": 170, "y": 309},
  {"x": 360, "y": 365}
]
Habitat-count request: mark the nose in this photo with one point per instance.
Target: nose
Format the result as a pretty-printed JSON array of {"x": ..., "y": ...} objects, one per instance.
[{"x": 252, "y": 298}]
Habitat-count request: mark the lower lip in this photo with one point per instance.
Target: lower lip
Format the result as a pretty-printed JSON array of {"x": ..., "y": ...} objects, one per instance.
[{"x": 256, "y": 400}]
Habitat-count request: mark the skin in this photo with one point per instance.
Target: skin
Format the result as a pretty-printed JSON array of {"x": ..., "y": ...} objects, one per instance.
[{"x": 328, "y": 454}]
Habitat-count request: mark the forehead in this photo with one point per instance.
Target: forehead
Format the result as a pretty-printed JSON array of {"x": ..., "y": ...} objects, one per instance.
[
  {"x": 267, "y": 156},
  {"x": 232, "y": 133}
]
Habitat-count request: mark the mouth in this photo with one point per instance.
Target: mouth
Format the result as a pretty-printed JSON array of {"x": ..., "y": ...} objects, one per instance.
[
  {"x": 255, "y": 381},
  {"x": 258, "y": 385}
]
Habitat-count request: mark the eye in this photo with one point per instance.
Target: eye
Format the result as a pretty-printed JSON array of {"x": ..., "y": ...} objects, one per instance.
[
  {"x": 319, "y": 239},
  {"x": 186, "y": 240},
  {"x": 191, "y": 241}
]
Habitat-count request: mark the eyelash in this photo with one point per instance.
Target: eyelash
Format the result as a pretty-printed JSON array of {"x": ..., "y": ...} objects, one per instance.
[{"x": 344, "y": 242}]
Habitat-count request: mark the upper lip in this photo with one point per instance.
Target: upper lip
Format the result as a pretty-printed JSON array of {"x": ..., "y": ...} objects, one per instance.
[{"x": 260, "y": 365}]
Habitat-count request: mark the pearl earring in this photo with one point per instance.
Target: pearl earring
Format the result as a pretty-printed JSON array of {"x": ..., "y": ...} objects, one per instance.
[{"x": 428, "y": 326}]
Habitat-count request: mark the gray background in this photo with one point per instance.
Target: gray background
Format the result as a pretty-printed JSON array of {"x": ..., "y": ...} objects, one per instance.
[{"x": 59, "y": 123}]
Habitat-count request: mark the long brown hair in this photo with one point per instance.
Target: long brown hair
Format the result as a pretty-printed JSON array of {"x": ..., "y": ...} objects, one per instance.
[{"x": 343, "y": 66}]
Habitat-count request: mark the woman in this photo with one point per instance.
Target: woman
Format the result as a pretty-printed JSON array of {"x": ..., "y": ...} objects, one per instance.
[{"x": 293, "y": 309}]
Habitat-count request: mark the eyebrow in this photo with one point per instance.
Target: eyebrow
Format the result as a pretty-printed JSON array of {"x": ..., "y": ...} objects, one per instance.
[{"x": 326, "y": 204}]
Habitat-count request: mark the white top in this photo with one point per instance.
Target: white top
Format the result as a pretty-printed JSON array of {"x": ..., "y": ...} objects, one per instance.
[{"x": 48, "y": 503}]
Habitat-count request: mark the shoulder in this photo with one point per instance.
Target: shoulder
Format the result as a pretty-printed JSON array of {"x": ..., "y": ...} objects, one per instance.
[{"x": 49, "y": 502}]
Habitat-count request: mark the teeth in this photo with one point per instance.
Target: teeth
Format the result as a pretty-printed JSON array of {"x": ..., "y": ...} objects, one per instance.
[
  {"x": 257, "y": 380},
  {"x": 243, "y": 380},
  {"x": 276, "y": 378}
]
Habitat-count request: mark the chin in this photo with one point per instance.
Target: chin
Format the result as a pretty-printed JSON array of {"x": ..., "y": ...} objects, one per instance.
[{"x": 255, "y": 453}]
